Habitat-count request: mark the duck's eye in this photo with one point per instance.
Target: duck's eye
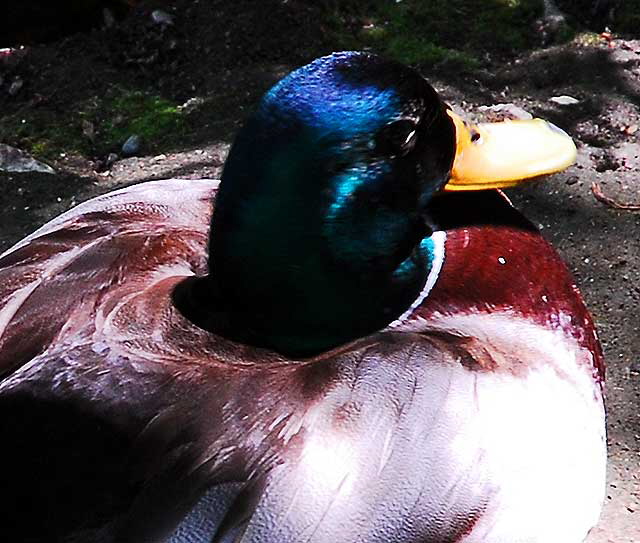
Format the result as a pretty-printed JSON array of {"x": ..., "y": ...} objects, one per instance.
[{"x": 396, "y": 138}]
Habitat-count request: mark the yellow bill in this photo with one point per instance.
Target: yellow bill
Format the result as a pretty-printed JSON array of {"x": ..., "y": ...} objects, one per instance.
[{"x": 499, "y": 155}]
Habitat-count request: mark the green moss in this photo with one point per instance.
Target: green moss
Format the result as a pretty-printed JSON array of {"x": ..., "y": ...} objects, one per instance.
[
  {"x": 156, "y": 120},
  {"x": 426, "y": 33},
  {"x": 97, "y": 126},
  {"x": 415, "y": 50},
  {"x": 43, "y": 133}
]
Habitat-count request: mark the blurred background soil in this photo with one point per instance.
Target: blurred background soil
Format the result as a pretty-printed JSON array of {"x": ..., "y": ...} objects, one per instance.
[{"x": 172, "y": 81}]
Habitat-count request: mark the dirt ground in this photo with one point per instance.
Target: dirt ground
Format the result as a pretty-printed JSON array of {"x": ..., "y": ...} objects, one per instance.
[{"x": 222, "y": 61}]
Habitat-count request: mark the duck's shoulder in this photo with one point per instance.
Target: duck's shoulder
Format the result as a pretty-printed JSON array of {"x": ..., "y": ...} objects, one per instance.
[
  {"x": 502, "y": 284},
  {"x": 169, "y": 202},
  {"x": 107, "y": 244}
]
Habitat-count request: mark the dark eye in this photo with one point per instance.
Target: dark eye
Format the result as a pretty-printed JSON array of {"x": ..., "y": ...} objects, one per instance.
[{"x": 396, "y": 138}]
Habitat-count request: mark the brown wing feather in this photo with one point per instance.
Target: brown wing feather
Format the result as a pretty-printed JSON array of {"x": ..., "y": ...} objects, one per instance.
[{"x": 51, "y": 280}]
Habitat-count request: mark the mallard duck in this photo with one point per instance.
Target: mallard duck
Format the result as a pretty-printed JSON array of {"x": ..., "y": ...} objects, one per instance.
[{"x": 352, "y": 347}]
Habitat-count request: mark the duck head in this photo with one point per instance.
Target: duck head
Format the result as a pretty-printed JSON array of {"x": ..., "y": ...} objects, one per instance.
[{"x": 321, "y": 232}]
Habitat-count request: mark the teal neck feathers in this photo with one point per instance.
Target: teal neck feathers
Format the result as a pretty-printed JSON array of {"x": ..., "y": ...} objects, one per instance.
[{"x": 319, "y": 234}]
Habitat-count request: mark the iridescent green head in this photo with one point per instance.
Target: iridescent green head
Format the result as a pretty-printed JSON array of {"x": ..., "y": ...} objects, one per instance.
[{"x": 319, "y": 234}]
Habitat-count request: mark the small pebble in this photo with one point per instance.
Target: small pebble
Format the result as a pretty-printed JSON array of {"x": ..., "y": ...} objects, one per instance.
[
  {"x": 161, "y": 17},
  {"x": 16, "y": 86},
  {"x": 564, "y": 100},
  {"x": 572, "y": 180},
  {"x": 111, "y": 158},
  {"x": 131, "y": 146}
]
